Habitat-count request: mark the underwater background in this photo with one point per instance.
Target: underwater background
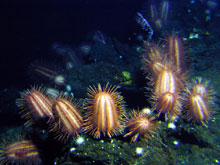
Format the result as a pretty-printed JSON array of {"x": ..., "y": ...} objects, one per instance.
[{"x": 91, "y": 42}]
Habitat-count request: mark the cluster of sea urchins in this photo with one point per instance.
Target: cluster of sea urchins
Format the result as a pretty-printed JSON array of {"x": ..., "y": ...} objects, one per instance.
[
  {"x": 62, "y": 113},
  {"x": 104, "y": 110},
  {"x": 104, "y": 114},
  {"x": 172, "y": 95}
]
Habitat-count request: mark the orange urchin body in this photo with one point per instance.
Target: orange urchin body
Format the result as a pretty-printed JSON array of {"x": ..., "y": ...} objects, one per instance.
[
  {"x": 166, "y": 82},
  {"x": 175, "y": 53},
  {"x": 140, "y": 124},
  {"x": 104, "y": 111},
  {"x": 153, "y": 59},
  {"x": 202, "y": 88},
  {"x": 197, "y": 109},
  {"x": 35, "y": 105},
  {"x": 67, "y": 118},
  {"x": 166, "y": 103},
  {"x": 167, "y": 97},
  {"x": 167, "y": 78},
  {"x": 198, "y": 101},
  {"x": 20, "y": 152}
]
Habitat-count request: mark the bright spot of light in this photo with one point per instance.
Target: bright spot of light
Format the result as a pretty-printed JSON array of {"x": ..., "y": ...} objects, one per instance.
[
  {"x": 171, "y": 125},
  {"x": 80, "y": 140},
  {"x": 176, "y": 143},
  {"x": 72, "y": 149},
  {"x": 139, "y": 151}
]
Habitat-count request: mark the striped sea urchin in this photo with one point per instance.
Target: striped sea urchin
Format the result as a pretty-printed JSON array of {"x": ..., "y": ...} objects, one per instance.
[
  {"x": 35, "y": 105},
  {"x": 140, "y": 124},
  {"x": 67, "y": 118},
  {"x": 20, "y": 152},
  {"x": 198, "y": 101},
  {"x": 105, "y": 111},
  {"x": 197, "y": 108}
]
